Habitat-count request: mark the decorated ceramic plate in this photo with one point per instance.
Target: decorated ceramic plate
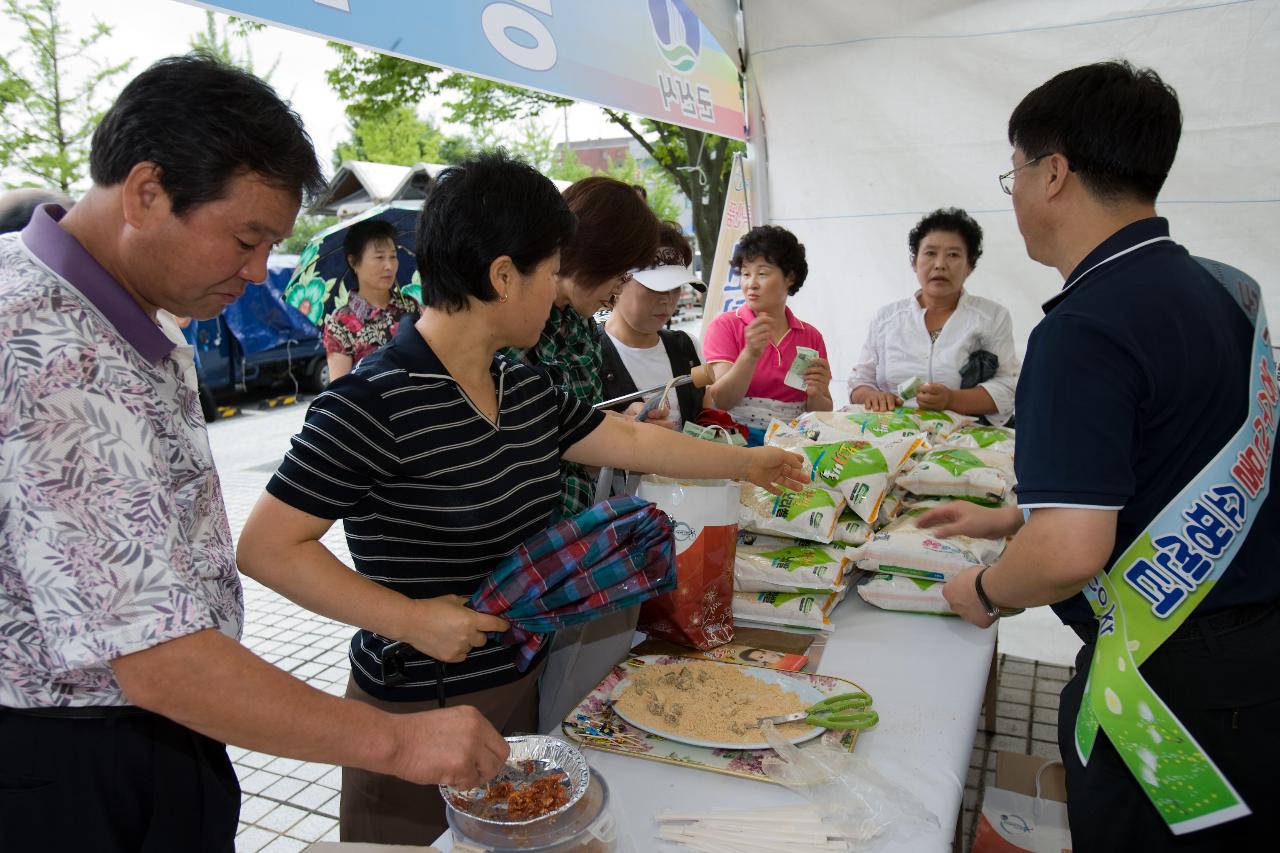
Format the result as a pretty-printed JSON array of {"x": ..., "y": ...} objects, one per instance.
[{"x": 808, "y": 694}]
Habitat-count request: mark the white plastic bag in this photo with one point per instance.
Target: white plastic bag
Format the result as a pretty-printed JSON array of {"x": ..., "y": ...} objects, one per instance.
[{"x": 851, "y": 793}]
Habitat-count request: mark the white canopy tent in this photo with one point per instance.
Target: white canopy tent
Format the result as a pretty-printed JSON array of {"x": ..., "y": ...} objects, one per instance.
[{"x": 875, "y": 113}]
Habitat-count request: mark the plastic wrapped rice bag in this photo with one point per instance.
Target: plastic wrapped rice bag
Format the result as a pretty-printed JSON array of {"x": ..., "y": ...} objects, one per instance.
[
  {"x": 940, "y": 424},
  {"x": 770, "y": 564},
  {"x": 808, "y": 514},
  {"x": 910, "y": 595},
  {"x": 792, "y": 609},
  {"x": 894, "y": 504},
  {"x": 852, "y": 530},
  {"x": 961, "y": 472},
  {"x": 839, "y": 426},
  {"x": 860, "y": 470},
  {"x": 984, "y": 437},
  {"x": 903, "y": 548}
]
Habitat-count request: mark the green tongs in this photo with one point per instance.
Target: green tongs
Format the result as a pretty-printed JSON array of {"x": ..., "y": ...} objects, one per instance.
[{"x": 846, "y": 711}]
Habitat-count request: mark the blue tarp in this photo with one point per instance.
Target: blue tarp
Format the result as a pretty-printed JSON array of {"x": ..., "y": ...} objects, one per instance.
[{"x": 261, "y": 319}]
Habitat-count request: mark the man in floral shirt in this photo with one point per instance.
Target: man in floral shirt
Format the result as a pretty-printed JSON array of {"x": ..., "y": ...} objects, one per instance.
[{"x": 121, "y": 677}]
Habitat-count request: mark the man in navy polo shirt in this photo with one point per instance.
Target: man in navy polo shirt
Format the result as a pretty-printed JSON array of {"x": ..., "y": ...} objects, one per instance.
[{"x": 1135, "y": 379}]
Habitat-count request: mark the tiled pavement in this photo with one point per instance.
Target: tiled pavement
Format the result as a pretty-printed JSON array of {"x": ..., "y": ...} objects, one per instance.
[{"x": 287, "y": 804}]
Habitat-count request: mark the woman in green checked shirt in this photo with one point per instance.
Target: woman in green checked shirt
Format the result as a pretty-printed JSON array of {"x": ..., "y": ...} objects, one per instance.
[{"x": 616, "y": 232}]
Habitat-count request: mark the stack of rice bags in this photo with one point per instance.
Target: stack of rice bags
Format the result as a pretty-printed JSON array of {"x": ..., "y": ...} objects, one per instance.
[
  {"x": 852, "y": 468},
  {"x": 966, "y": 461}
]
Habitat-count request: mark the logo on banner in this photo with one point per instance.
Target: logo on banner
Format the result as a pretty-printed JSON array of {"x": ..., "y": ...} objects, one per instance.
[{"x": 679, "y": 33}]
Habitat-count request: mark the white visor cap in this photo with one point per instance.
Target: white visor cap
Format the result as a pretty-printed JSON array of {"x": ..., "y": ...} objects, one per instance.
[{"x": 667, "y": 277}]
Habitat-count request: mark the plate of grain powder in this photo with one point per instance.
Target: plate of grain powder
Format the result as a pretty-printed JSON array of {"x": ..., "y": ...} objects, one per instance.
[{"x": 710, "y": 704}]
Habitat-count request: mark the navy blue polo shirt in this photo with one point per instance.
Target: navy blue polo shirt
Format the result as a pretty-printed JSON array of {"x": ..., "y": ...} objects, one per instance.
[{"x": 1136, "y": 377}]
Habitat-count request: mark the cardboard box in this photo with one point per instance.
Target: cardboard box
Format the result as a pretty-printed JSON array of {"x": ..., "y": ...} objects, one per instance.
[{"x": 1017, "y": 773}]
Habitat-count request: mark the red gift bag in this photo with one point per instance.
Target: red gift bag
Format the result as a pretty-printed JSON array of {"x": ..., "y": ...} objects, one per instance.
[{"x": 704, "y": 519}]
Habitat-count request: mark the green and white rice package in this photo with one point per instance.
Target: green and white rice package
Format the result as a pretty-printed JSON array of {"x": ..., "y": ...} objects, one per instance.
[
  {"x": 984, "y": 437},
  {"x": 860, "y": 470},
  {"x": 893, "y": 505},
  {"x": 859, "y": 425},
  {"x": 910, "y": 595},
  {"x": 852, "y": 530},
  {"x": 902, "y": 548},
  {"x": 770, "y": 564},
  {"x": 790, "y": 609},
  {"x": 807, "y": 514},
  {"x": 940, "y": 424},
  {"x": 961, "y": 472}
]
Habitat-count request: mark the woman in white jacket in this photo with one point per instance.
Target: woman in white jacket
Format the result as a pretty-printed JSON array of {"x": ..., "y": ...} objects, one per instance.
[{"x": 958, "y": 345}]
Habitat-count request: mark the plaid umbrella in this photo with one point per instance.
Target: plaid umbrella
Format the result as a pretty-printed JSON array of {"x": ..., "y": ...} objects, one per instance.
[
  {"x": 616, "y": 554},
  {"x": 321, "y": 282}
]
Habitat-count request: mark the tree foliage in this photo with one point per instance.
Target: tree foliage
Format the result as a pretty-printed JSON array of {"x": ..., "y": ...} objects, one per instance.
[
  {"x": 697, "y": 163},
  {"x": 230, "y": 43},
  {"x": 52, "y": 94}
]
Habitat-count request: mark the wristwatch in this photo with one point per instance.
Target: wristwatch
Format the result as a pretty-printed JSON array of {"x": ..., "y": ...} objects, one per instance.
[{"x": 992, "y": 611}]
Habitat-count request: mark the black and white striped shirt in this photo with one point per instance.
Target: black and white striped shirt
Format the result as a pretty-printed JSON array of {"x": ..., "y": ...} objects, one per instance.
[{"x": 433, "y": 495}]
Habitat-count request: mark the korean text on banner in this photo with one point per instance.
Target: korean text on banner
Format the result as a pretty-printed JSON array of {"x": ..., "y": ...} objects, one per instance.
[
  {"x": 724, "y": 291},
  {"x": 654, "y": 58}
]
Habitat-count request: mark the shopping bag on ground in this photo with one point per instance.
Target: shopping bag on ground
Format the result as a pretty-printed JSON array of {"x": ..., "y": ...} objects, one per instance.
[
  {"x": 1025, "y": 810},
  {"x": 704, "y": 516}
]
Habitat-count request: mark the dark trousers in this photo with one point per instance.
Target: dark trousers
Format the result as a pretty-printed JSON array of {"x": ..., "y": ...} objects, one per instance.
[
  {"x": 137, "y": 783},
  {"x": 380, "y": 809},
  {"x": 1224, "y": 685}
]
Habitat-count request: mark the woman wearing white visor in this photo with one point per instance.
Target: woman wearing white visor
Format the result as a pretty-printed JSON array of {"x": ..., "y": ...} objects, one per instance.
[{"x": 639, "y": 352}]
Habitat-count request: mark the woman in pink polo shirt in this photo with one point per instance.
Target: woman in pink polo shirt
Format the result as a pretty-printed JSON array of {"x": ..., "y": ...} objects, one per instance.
[{"x": 752, "y": 349}]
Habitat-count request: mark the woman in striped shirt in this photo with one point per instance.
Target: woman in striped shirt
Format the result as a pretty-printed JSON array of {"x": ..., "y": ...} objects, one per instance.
[{"x": 442, "y": 458}]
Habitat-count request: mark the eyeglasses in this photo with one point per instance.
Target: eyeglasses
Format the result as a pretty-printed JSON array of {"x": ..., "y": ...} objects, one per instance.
[{"x": 1006, "y": 180}]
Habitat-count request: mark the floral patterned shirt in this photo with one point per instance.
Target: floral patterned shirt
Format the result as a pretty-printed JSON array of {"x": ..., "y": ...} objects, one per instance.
[
  {"x": 360, "y": 327},
  {"x": 113, "y": 534}
]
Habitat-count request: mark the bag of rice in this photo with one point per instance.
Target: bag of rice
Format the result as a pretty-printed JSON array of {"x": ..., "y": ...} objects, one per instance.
[
  {"x": 808, "y": 514},
  {"x": 909, "y": 595},
  {"x": 903, "y": 548},
  {"x": 851, "y": 530},
  {"x": 792, "y": 609},
  {"x": 985, "y": 437},
  {"x": 861, "y": 470},
  {"x": 961, "y": 472},
  {"x": 941, "y": 424},
  {"x": 844, "y": 426},
  {"x": 770, "y": 564},
  {"x": 894, "y": 504}
]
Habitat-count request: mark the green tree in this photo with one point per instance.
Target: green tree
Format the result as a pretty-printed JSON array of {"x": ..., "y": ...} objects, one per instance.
[
  {"x": 698, "y": 163},
  {"x": 52, "y": 95},
  {"x": 230, "y": 43},
  {"x": 396, "y": 136},
  {"x": 304, "y": 228}
]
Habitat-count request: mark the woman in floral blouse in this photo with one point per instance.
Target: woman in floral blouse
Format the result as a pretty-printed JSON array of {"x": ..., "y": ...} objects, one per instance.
[{"x": 370, "y": 317}]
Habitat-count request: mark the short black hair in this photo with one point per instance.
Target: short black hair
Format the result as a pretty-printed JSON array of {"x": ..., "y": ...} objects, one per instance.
[
  {"x": 362, "y": 234},
  {"x": 776, "y": 245},
  {"x": 1118, "y": 126},
  {"x": 949, "y": 219},
  {"x": 203, "y": 122},
  {"x": 479, "y": 210}
]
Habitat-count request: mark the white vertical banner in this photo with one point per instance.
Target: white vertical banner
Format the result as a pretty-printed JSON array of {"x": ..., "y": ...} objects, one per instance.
[{"x": 724, "y": 291}]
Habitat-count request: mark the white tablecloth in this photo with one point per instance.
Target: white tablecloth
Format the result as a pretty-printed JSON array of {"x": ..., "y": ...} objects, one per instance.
[{"x": 927, "y": 675}]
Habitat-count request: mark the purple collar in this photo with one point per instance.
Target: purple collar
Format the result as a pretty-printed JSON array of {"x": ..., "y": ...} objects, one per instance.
[{"x": 64, "y": 255}]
